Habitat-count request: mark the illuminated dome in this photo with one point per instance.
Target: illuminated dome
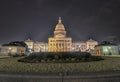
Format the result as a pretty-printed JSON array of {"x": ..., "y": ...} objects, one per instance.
[
  {"x": 60, "y": 30},
  {"x": 59, "y": 26}
]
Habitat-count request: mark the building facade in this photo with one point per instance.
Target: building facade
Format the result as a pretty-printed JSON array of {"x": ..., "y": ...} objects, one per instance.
[
  {"x": 59, "y": 43},
  {"x": 84, "y": 46},
  {"x": 40, "y": 47},
  {"x": 35, "y": 46},
  {"x": 90, "y": 44},
  {"x": 106, "y": 49},
  {"x": 12, "y": 50},
  {"x": 29, "y": 43},
  {"x": 79, "y": 46}
]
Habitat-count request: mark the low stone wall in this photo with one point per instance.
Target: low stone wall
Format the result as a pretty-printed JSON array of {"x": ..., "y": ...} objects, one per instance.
[{"x": 84, "y": 77}]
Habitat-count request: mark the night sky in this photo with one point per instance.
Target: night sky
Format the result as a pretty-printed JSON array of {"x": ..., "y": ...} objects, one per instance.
[{"x": 36, "y": 19}]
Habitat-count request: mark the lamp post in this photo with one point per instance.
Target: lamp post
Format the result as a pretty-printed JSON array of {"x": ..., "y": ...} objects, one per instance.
[
  {"x": 109, "y": 50},
  {"x": 79, "y": 48},
  {"x": 45, "y": 47},
  {"x": 10, "y": 49},
  {"x": 73, "y": 49},
  {"x": 39, "y": 49}
]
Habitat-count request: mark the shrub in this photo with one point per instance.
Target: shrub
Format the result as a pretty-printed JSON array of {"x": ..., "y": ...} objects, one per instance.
[{"x": 61, "y": 57}]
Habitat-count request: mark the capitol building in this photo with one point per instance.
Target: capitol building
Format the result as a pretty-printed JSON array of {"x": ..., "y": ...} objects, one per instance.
[{"x": 60, "y": 42}]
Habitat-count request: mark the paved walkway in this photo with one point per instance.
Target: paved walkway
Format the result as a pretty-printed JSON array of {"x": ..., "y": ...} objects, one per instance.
[{"x": 62, "y": 77}]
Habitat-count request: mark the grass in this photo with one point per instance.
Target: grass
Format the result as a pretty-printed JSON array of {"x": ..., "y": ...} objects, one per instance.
[
  {"x": 11, "y": 65},
  {"x": 114, "y": 55}
]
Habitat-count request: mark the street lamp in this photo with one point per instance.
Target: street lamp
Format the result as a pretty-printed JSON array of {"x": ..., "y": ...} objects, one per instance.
[
  {"x": 73, "y": 49},
  {"x": 39, "y": 48},
  {"x": 109, "y": 50},
  {"x": 10, "y": 51},
  {"x": 79, "y": 48},
  {"x": 10, "y": 48}
]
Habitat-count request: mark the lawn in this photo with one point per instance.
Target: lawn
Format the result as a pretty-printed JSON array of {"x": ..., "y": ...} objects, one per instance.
[{"x": 11, "y": 65}]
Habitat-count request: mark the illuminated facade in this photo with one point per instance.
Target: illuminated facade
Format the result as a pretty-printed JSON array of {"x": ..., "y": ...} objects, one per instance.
[
  {"x": 90, "y": 44},
  {"x": 106, "y": 48},
  {"x": 40, "y": 47},
  {"x": 79, "y": 46},
  {"x": 84, "y": 46},
  {"x": 12, "y": 50},
  {"x": 59, "y": 43},
  {"x": 29, "y": 43},
  {"x": 35, "y": 46}
]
